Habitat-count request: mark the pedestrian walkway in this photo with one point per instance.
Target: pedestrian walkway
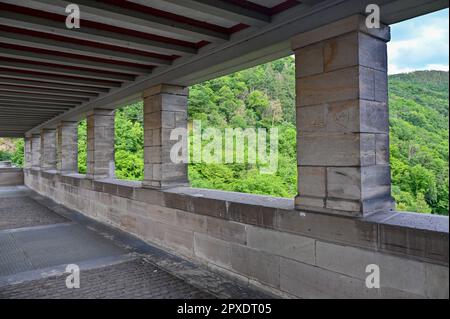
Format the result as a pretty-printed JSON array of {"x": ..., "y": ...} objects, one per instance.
[{"x": 39, "y": 238}]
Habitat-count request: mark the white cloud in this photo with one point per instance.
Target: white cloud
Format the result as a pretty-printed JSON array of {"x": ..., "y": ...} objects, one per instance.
[
  {"x": 424, "y": 48},
  {"x": 437, "y": 67}
]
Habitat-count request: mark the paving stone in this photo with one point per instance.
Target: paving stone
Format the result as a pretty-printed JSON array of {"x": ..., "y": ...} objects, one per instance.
[
  {"x": 18, "y": 212},
  {"x": 134, "y": 279}
]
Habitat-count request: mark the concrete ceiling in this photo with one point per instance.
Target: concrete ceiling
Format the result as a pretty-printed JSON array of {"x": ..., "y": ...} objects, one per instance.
[{"x": 50, "y": 73}]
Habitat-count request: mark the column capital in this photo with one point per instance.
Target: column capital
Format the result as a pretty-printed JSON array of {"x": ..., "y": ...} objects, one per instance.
[
  {"x": 165, "y": 89},
  {"x": 355, "y": 23},
  {"x": 100, "y": 111},
  {"x": 67, "y": 123}
]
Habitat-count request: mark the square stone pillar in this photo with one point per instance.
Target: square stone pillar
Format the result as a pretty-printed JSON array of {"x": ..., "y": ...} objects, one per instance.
[
  {"x": 165, "y": 109},
  {"x": 67, "y": 153},
  {"x": 342, "y": 119},
  {"x": 48, "y": 149},
  {"x": 100, "y": 144},
  {"x": 28, "y": 155},
  {"x": 36, "y": 151}
]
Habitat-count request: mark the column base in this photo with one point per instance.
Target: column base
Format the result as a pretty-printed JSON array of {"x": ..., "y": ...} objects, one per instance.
[
  {"x": 164, "y": 185},
  {"x": 342, "y": 207}
]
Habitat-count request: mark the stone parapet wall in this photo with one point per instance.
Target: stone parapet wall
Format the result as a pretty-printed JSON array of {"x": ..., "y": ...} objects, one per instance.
[
  {"x": 11, "y": 176},
  {"x": 265, "y": 241}
]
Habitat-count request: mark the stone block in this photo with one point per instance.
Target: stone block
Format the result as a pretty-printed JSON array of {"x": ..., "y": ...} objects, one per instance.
[
  {"x": 436, "y": 281},
  {"x": 344, "y": 182},
  {"x": 255, "y": 264},
  {"x": 309, "y": 60},
  {"x": 337, "y": 28},
  {"x": 335, "y": 149},
  {"x": 252, "y": 214},
  {"x": 306, "y": 281},
  {"x": 167, "y": 89},
  {"x": 152, "y": 154},
  {"x": 395, "y": 272},
  {"x": 311, "y": 181},
  {"x": 226, "y": 230},
  {"x": 336, "y": 229},
  {"x": 381, "y": 86},
  {"x": 209, "y": 207},
  {"x": 189, "y": 221},
  {"x": 344, "y": 206},
  {"x": 150, "y": 230},
  {"x": 372, "y": 52},
  {"x": 149, "y": 196},
  {"x": 179, "y": 240},
  {"x": 282, "y": 244},
  {"x": 212, "y": 250},
  {"x": 382, "y": 149},
  {"x": 375, "y": 181},
  {"x": 341, "y": 52},
  {"x": 432, "y": 246},
  {"x": 374, "y": 117},
  {"x": 309, "y": 202},
  {"x": 340, "y": 85}
]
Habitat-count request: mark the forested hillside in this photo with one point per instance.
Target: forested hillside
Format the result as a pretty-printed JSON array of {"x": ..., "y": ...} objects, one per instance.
[
  {"x": 264, "y": 97},
  {"x": 419, "y": 140}
]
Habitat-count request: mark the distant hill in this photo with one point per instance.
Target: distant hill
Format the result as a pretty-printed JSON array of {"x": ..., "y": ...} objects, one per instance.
[{"x": 419, "y": 103}]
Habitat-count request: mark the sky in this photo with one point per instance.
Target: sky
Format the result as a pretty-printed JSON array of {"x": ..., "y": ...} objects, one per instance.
[{"x": 420, "y": 44}]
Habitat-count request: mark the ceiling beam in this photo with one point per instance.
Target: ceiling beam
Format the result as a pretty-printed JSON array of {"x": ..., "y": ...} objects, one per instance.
[
  {"x": 75, "y": 48},
  {"x": 17, "y": 74},
  {"x": 29, "y": 112},
  {"x": 126, "y": 18},
  {"x": 41, "y": 97},
  {"x": 4, "y": 133},
  {"x": 34, "y": 101},
  {"x": 23, "y": 121},
  {"x": 26, "y": 66},
  {"x": 78, "y": 62},
  {"x": 96, "y": 35},
  {"x": 15, "y": 88},
  {"x": 49, "y": 85},
  {"x": 225, "y": 10},
  {"x": 33, "y": 107}
]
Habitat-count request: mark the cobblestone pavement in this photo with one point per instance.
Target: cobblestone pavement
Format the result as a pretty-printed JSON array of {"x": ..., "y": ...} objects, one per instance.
[
  {"x": 18, "y": 212},
  {"x": 134, "y": 279},
  {"x": 39, "y": 237}
]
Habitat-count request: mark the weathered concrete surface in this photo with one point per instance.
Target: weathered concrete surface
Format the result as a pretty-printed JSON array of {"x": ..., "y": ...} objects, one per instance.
[
  {"x": 40, "y": 237},
  {"x": 11, "y": 176},
  {"x": 264, "y": 240}
]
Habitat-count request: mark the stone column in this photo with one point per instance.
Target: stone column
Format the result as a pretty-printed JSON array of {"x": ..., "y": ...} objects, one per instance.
[
  {"x": 165, "y": 108},
  {"x": 28, "y": 155},
  {"x": 342, "y": 119},
  {"x": 36, "y": 151},
  {"x": 100, "y": 144},
  {"x": 67, "y": 153},
  {"x": 48, "y": 149}
]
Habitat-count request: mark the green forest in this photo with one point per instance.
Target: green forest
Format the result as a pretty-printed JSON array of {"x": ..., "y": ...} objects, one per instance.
[{"x": 264, "y": 96}]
